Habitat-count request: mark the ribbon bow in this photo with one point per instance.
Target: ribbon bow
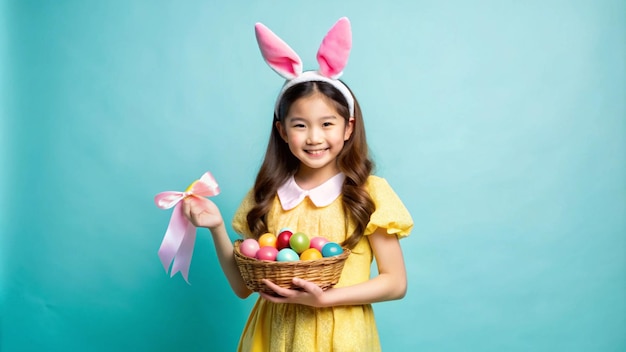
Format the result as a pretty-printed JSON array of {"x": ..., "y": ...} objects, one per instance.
[{"x": 180, "y": 237}]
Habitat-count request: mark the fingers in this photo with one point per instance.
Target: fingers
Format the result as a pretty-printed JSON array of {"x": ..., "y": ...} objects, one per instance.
[
  {"x": 285, "y": 292},
  {"x": 307, "y": 286},
  {"x": 309, "y": 295},
  {"x": 187, "y": 208},
  {"x": 192, "y": 210},
  {"x": 201, "y": 212},
  {"x": 275, "y": 288}
]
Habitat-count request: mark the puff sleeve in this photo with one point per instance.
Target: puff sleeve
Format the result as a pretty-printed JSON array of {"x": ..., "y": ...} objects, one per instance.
[
  {"x": 390, "y": 212},
  {"x": 240, "y": 223}
]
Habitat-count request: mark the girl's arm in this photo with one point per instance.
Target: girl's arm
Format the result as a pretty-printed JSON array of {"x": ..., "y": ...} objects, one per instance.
[
  {"x": 204, "y": 213},
  {"x": 390, "y": 284}
]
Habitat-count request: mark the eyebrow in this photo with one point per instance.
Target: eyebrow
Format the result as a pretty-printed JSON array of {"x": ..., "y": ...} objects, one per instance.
[{"x": 323, "y": 118}]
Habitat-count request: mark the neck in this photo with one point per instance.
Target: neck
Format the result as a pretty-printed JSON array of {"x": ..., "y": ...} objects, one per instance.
[{"x": 311, "y": 178}]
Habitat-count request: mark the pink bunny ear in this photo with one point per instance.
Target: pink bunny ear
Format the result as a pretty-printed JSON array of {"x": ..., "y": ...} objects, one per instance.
[
  {"x": 278, "y": 55},
  {"x": 334, "y": 51}
]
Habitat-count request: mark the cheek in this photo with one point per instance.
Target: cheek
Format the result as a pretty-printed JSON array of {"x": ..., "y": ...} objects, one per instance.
[{"x": 295, "y": 138}]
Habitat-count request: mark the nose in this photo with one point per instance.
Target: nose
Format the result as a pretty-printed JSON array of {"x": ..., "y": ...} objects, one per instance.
[{"x": 315, "y": 136}]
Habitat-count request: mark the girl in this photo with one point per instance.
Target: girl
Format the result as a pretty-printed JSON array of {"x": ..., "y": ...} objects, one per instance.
[{"x": 316, "y": 178}]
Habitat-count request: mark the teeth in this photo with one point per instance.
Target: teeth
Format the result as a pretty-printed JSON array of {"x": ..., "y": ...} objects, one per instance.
[{"x": 316, "y": 151}]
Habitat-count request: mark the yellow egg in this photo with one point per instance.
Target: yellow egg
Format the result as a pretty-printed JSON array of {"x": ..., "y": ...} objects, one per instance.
[
  {"x": 267, "y": 239},
  {"x": 311, "y": 254}
]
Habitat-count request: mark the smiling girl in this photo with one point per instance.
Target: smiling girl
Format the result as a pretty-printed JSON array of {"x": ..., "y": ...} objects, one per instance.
[{"x": 316, "y": 177}]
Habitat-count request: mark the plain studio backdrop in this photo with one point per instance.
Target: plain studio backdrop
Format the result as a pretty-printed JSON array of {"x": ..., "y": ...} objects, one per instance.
[{"x": 501, "y": 124}]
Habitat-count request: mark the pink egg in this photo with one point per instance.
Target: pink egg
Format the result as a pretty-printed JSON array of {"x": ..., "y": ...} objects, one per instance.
[
  {"x": 267, "y": 253},
  {"x": 249, "y": 247},
  {"x": 318, "y": 243}
]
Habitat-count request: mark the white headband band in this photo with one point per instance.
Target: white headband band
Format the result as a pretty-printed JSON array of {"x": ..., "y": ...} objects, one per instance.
[
  {"x": 332, "y": 57},
  {"x": 314, "y": 76}
]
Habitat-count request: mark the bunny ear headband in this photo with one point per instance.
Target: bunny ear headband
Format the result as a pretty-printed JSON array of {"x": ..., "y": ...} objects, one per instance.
[{"x": 332, "y": 58}]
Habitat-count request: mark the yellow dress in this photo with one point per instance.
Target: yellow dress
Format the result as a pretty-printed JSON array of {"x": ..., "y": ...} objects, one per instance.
[{"x": 297, "y": 328}]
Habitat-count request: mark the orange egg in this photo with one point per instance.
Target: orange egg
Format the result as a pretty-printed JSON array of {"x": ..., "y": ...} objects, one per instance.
[
  {"x": 267, "y": 239},
  {"x": 311, "y": 254}
]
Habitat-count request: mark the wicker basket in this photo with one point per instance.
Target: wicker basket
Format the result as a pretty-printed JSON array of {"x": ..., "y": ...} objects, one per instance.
[{"x": 324, "y": 272}]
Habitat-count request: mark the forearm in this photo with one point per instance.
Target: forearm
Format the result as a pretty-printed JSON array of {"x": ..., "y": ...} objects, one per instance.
[
  {"x": 384, "y": 287},
  {"x": 224, "y": 250},
  {"x": 391, "y": 282}
]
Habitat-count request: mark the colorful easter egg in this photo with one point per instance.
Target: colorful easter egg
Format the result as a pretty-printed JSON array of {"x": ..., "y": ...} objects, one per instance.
[
  {"x": 267, "y": 253},
  {"x": 282, "y": 240},
  {"x": 287, "y": 255},
  {"x": 249, "y": 247},
  {"x": 331, "y": 249},
  {"x": 267, "y": 239},
  {"x": 311, "y": 254},
  {"x": 318, "y": 242},
  {"x": 299, "y": 242}
]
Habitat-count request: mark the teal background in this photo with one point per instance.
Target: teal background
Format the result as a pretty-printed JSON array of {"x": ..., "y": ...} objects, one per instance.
[{"x": 501, "y": 124}]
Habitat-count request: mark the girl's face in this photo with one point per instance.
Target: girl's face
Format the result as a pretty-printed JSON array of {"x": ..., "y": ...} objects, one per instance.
[{"x": 316, "y": 134}]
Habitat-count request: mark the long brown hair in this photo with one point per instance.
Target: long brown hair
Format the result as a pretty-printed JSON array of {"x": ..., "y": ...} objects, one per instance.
[{"x": 279, "y": 164}]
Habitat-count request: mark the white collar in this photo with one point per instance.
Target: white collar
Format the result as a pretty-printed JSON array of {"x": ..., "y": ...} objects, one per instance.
[{"x": 290, "y": 194}]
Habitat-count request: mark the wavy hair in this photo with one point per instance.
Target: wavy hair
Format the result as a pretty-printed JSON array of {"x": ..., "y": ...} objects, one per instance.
[{"x": 279, "y": 164}]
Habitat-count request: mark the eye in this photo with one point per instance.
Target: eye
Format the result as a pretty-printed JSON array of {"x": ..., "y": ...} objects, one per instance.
[
  {"x": 327, "y": 124},
  {"x": 298, "y": 125}
]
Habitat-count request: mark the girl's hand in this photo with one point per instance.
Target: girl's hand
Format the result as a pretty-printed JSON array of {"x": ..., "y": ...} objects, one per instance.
[
  {"x": 202, "y": 212},
  {"x": 312, "y": 295}
]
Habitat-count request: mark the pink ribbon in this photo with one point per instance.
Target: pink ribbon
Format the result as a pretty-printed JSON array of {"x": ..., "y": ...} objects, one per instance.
[{"x": 180, "y": 236}]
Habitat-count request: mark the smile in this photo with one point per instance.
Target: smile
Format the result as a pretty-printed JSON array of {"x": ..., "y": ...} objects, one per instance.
[{"x": 316, "y": 152}]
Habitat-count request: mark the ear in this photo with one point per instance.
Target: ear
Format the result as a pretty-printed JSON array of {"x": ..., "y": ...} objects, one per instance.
[
  {"x": 278, "y": 55},
  {"x": 349, "y": 129},
  {"x": 281, "y": 131},
  {"x": 334, "y": 51}
]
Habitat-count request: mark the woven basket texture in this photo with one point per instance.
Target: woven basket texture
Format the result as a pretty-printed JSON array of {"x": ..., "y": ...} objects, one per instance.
[{"x": 324, "y": 272}]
